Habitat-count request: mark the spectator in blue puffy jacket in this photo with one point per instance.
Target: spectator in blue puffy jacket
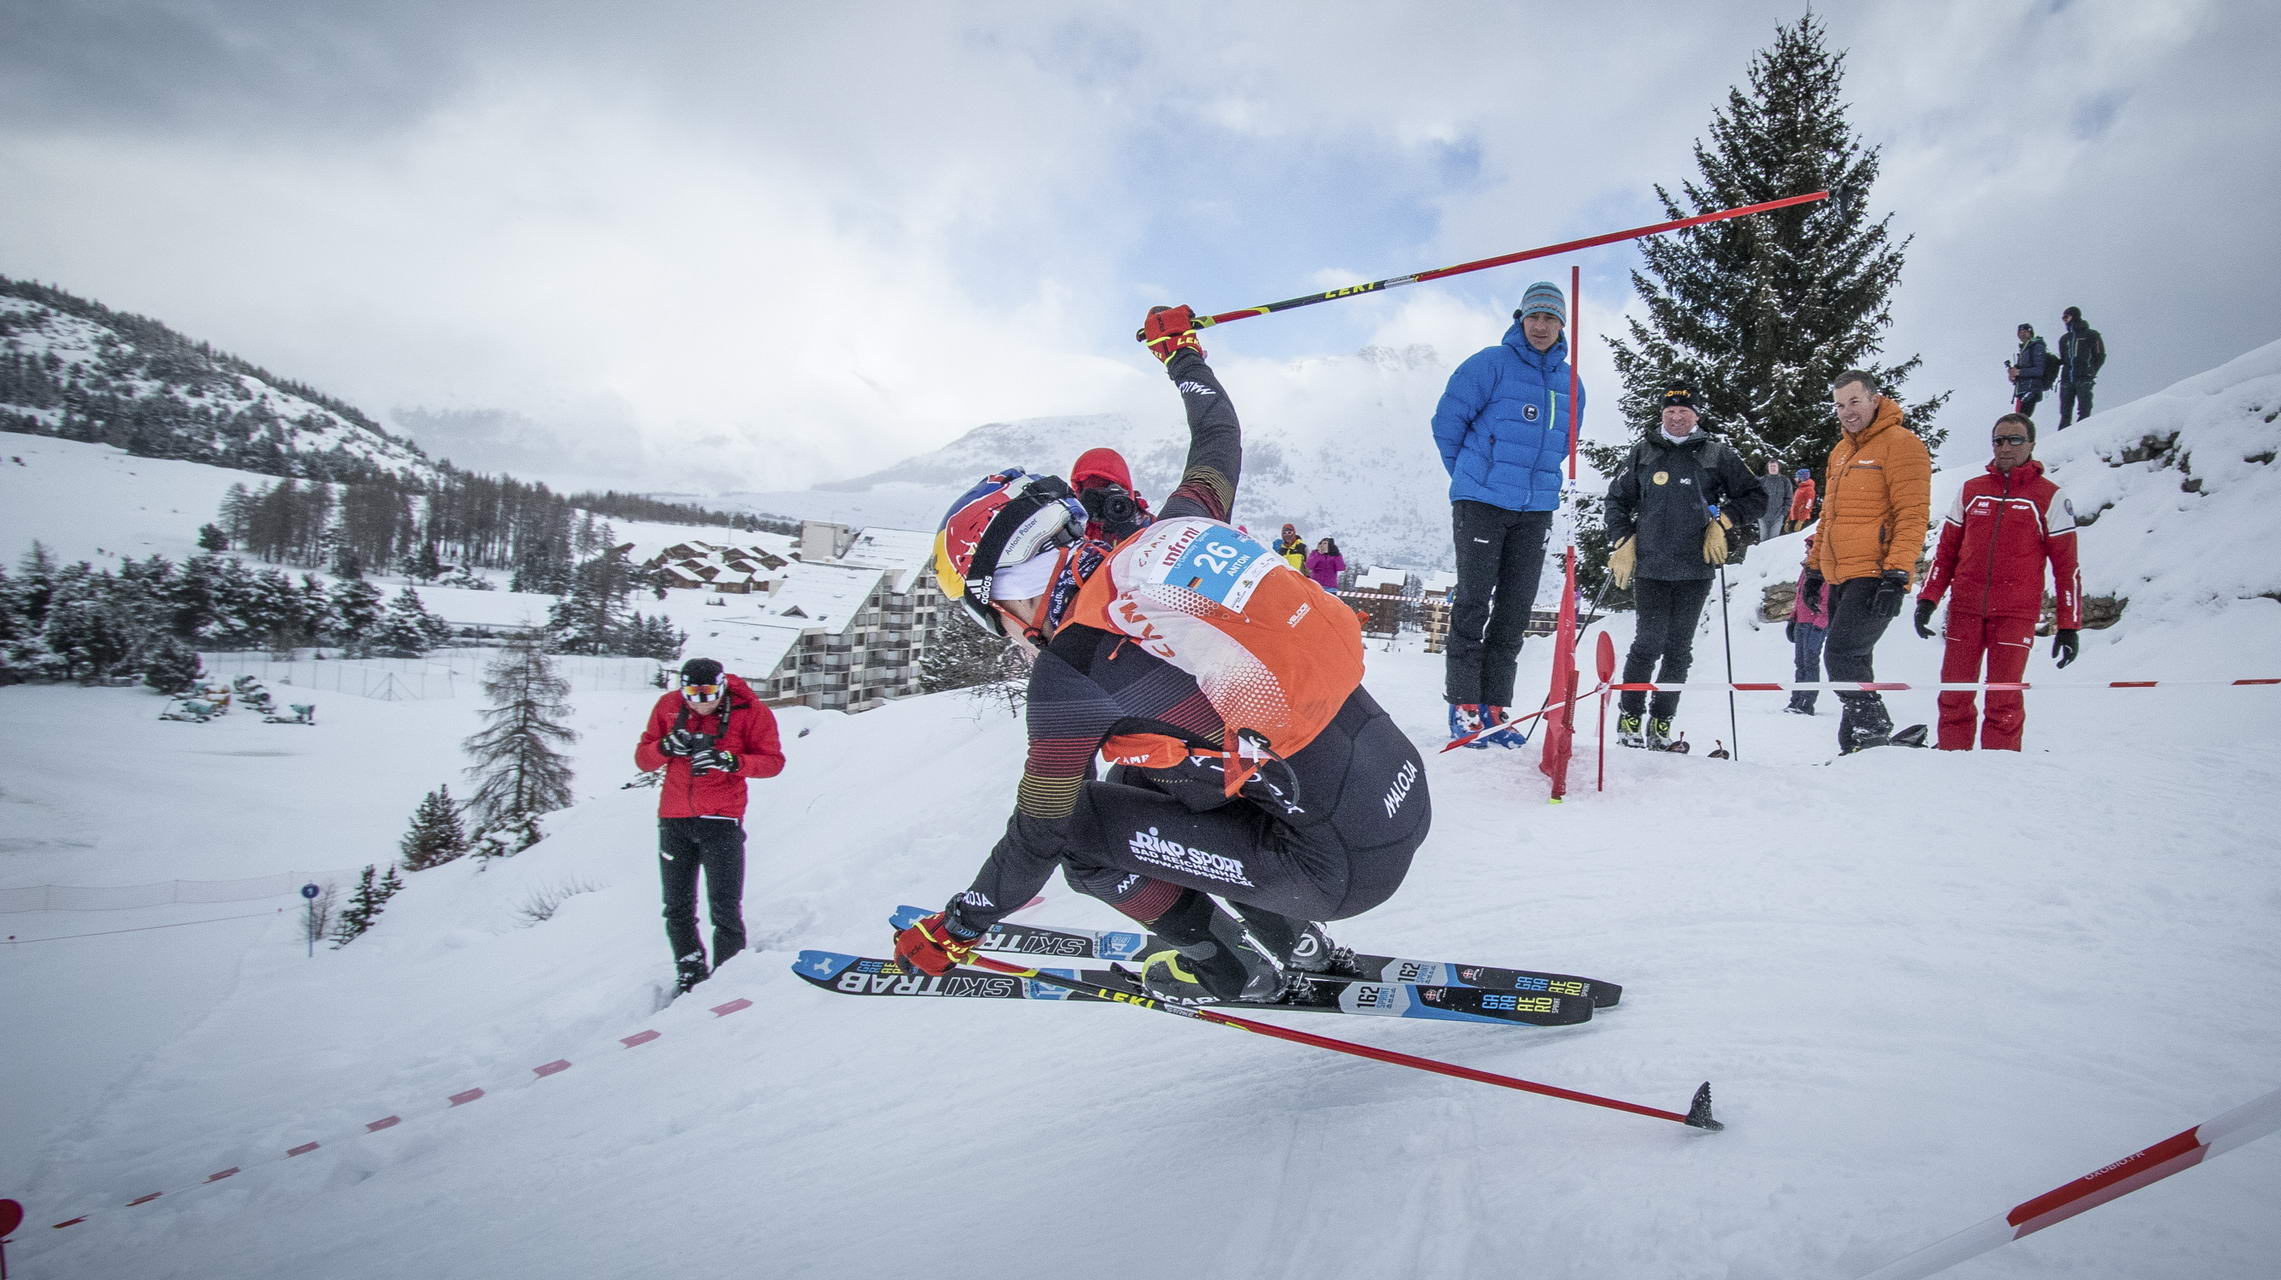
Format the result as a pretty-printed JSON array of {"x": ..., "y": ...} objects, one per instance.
[{"x": 1503, "y": 427}]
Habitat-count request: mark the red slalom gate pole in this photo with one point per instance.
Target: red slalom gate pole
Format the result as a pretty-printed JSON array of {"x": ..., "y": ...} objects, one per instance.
[
  {"x": 1443, "y": 273},
  {"x": 1698, "y": 1113},
  {"x": 2245, "y": 1123}
]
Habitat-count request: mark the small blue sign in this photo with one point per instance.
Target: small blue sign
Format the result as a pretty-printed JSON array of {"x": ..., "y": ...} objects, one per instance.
[{"x": 309, "y": 891}]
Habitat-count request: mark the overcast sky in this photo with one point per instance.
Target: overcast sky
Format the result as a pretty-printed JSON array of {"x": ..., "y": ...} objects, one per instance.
[{"x": 824, "y": 236}]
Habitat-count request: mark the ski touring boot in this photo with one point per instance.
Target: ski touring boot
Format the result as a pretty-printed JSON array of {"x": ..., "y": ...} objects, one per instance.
[
  {"x": 1509, "y": 738},
  {"x": 1630, "y": 731},
  {"x": 1465, "y": 718},
  {"x": 1659, "y": 734},
  {"x": 1198, "y": 954},
  {"x": 1300, "y": 947}
]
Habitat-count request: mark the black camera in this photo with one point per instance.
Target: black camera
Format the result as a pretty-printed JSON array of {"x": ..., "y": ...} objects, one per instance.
[
  {"x": 699, "y": 743},
  {"x": 1113, "y": 506}
]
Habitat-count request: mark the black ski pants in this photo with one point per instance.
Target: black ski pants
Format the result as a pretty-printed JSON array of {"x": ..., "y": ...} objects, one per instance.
[
  {"x": 1846, "y": 652},
  {"x": 1500, "y": 557},
  {"x": 1668, "y": 612},
  {"x": 2074, "y": 402},
  {"x": 1330, "y": 837},
  {"x": 715, "y": 846}
]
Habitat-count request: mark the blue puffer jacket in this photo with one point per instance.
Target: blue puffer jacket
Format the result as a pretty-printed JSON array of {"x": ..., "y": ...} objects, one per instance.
[{"x": 1503, "y": 423}]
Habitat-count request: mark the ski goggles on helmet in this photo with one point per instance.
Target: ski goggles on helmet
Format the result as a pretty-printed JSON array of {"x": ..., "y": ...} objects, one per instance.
[
  {"x": 701, "y": 692},
  {"x": 1009, "y": 518}
]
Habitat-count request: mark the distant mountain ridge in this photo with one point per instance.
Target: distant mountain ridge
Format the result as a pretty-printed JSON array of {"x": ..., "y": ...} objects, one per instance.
[
  {"x": 79, "y": 370},
  {"x": 1339, "y": 446}
]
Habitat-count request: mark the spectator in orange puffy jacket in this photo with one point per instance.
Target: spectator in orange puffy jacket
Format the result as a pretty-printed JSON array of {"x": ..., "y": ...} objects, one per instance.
[
  {"x": 709, "y": 736},
  {"x": 2002, "y": 528},
  {"x": 1324, "y": 564}
]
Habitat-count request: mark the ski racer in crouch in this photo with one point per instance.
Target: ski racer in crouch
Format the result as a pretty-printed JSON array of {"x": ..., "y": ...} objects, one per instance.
[{"x": 1221, "y": 686}]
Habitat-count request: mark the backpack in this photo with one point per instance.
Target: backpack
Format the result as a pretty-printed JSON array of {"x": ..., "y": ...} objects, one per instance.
[{"x": 1273, "y": 652}]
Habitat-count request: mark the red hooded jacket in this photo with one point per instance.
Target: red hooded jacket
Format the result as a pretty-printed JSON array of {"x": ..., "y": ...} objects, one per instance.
[
  {"x": 1994, "y": 542},
  {"x": 746, "y": 728}
]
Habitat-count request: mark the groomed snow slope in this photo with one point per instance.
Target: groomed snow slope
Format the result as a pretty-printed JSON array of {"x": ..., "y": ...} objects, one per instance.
[{"x": 1925, "y": 987}]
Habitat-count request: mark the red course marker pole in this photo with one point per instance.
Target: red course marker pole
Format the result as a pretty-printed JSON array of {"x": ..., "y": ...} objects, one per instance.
[
  {"x": 11, "y": 1215},
  {"x": 2245, "y": 1123}
]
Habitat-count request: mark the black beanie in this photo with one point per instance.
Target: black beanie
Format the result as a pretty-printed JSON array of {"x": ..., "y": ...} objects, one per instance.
[
  {"x": 701, "y": 671},
  {"x": 1679, "y": 394}
]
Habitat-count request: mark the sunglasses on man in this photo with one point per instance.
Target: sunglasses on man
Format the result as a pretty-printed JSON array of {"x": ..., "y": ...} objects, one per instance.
[{"x": 2014, "y": 440}]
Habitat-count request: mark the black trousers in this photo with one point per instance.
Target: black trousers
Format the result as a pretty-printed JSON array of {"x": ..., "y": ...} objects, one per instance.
[
  {"x": 1361, "y": 812},
  {"x": 2026, "y": 404},
  {"x": 1846, "y": 653},
  {"x": 1500, "y": 557},
  {"x": 1668, "y": 612},
  {"x": 715, "y": 846},
  {"x": 2074, "y": 402}
]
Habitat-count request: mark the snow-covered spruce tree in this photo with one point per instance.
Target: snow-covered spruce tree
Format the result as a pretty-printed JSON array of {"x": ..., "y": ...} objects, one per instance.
[
  {"x": 436, "y": 835},
  {"x": 172, "y": 667},
  {"x": 518, "y": 772},
  {"x": 356, "y": 610},
  {"x": 1763, "y": 312},
  {"x": 408, "y": 629},
  {"x": 967, "y": 657},
  {"x": 591, "y": 619},
  {"x": 362, "y": 910}
]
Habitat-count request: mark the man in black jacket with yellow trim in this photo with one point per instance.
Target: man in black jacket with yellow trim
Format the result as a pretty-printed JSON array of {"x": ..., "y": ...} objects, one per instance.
[{"x": 1677, "y": 500}]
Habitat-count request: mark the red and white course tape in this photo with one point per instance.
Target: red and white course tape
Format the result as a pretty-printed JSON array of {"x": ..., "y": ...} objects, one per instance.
[
  {"x": 2245, "y": 1123},
  {"x": 1881, "y": 686},
  {"x": 453, "y": 1102}
]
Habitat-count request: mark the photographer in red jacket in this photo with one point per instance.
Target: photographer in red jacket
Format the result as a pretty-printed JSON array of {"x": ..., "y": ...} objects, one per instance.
[
  {"x": 708, "y": 736},
  {"x": 1999, "y": 532}
]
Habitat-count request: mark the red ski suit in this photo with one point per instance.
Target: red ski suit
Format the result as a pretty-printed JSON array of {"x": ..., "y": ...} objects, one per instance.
[
  {"x": 750, "y": 732},
  {"x": 1994, "y": 542}
]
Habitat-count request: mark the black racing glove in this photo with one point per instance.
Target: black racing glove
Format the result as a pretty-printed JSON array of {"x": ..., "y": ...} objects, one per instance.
[
  {"x": 1925, "y": 618},
  {"x": 680, "y": 742},
  {"x": 712, "y": 758},
  {"x": 2063, "y": 646},
  {"x": 1892, "y": 588}
]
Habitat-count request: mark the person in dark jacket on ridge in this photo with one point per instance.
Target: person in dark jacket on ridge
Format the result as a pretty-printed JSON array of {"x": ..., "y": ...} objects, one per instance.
[
  {"x": 1678, "y": 503},
  {"x": 1503, "y": 427},
  {"x": 1322, "y": 830},
  {"x": 710, "y": 736},
  {"x": 2032, "y": 373},
  {"x": 2082, "y": 352}
]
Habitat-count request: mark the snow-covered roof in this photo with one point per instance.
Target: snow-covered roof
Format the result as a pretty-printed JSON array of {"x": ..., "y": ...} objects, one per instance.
[
  {"x": 906, "y": 553},
  {"x": 1380, "y": 578},
  {"x": 1440, "y": 582},
  {"x": 828, "y": 596}
]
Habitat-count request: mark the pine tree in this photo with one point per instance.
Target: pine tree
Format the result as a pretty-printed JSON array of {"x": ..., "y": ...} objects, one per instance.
[
  {"x": 518, "y": 773},
  {"x": 408, "y": 629},
  {"x": 1763, "y": 312},
  {"x": 355, "y": 612},
  {"x": 967, "y": 657},
  {"x": 212, "y": 538},
  {"x": 436, "y": 835},
  {"x": 172, "y": 667},
  {"x": 362, "y": 910}
]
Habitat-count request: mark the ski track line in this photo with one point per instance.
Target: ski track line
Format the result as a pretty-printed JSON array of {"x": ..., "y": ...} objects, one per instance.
[{"x": 400, "y": 1115}]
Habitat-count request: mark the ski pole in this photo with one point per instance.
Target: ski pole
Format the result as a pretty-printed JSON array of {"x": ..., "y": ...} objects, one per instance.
[
  {"x": 1726, "y": 633},
  {"x": 1698, "y": 1112},
  {"x": 1439, "y": 273}
]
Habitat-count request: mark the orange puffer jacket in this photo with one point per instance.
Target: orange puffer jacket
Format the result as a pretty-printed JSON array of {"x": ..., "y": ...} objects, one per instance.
[{"x": 1877, "y": 500}]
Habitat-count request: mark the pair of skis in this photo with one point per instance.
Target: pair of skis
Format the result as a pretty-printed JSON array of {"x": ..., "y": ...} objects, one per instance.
[
  {"x": 1570, "y": 998},
  {"x": 1369, "y": 985}
]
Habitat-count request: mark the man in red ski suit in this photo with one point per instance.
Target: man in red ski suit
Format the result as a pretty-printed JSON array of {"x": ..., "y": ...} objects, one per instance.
[
  {"x": 1999, "y": 532},
  {"x": 709, "y": 736}
]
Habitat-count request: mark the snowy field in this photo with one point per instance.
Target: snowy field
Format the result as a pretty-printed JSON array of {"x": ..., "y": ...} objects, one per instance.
[{"x": 1925, "y": 986}]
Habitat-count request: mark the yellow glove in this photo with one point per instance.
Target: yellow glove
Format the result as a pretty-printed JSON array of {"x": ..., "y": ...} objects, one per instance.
[
  {"x": 1715, "y": 539},
  {"x": 1623, "y": 561}
]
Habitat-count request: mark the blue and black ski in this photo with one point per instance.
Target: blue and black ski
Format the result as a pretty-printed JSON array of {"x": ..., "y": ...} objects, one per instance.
[
  {"x": 871, "y": 976},
  {"x": 1114, "y": 944}
]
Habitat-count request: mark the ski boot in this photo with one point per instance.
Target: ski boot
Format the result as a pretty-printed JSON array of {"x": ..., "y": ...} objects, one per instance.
[
  {"x": 1198, "y": 954},
  {"x": 1629, "y": 731},
  {"x": 688, "y": 971},
  {"x": 1913, "y": 736},
  {"x": 1503, "y": 737},
  {"x": 1465, "y": 718},
  {"x": 1659, "y": 733},
  {"x": 1301, "y": 947}
]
